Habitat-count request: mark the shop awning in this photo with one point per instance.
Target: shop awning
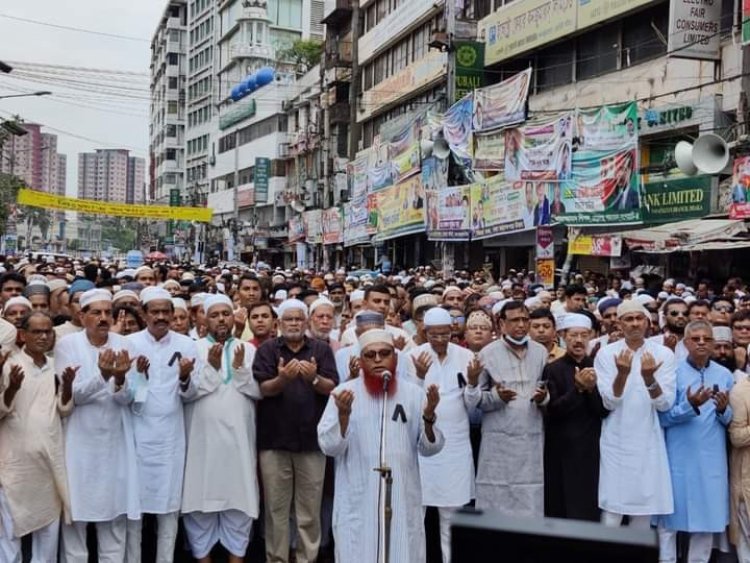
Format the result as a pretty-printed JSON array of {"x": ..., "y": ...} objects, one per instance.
[{"x": 685, "y": 236}]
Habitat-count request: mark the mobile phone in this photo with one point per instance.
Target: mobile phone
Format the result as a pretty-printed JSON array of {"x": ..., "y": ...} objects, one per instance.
[
  {"x": 542, "y": 385},
  {"x": 716, "y": 388}
]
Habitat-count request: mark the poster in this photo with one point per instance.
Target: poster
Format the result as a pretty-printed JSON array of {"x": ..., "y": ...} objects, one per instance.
[
  {"x": 745, "y": 22},
  {"x": 332, "y": 223},
  {"x": 456, "y": 126},
  {"x": 489, "y": 151},
  {"x": 604, "y": 189},
  {"x": 434, "y": 173},
  {"x": 379, "y": 176},
  {"x": 399, "y": 210},
  {"x": 694, "y": 29},
  {"x": 499, "y": 207},
  {"x": 448, "y": 213},
  {"x": 541, "y": 150},
  {"x": 296, "y": 229},
  {"x": 740, "y": 206},
  {"x": 403, "y": 151},
  {"x": 595, "y": 245},
  {"x": 545, "y": 242},
  {"x": 358, "y": 176},
  {"x": 313, "y": 221},
  {"x": 503, "y": 104},
  {"x": 356, "y": 222},
  {"x": 545, "y": 272},
  {"x": 608, "y": 127}
]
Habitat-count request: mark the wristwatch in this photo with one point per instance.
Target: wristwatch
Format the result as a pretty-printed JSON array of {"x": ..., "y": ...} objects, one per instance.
[
  {"x": 316, "y": 380},
  {"x": 653, "y": 386},
  {"x": 430, "y": 420}
]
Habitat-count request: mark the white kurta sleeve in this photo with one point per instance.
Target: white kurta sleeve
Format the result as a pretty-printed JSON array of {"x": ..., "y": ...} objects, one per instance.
[
  {"x": 123, "y": 395},
  {"x": 330, "y": 440},
  {"x": 427, "y": 448},
  {"x": 483, "y": 395},
  {"x": 667, "y": 378},
  {"x": 243, "y": 377},
  {"x": 606, "y": 371},
  {"x": 5, "y": 410}
]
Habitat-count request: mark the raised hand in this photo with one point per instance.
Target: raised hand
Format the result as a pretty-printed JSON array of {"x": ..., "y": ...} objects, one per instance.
[
  {"x": 308, "y": 370},
  {"x": 585, "y": 379},
  {"x": 624, "y": 361},
  {"x": 186, "y": 368},
  {"x": 15, "y": 378},
  {"x": 289, "y": 370},
  {"x": 142, "y": 364},
  {"x": 473, "y": 370},
  {"x": 433, "y": 398},
  {"x": 721, "y": 399},
  {"x": 701, "y": 395},
  {"x": 239, "y": 356},
  {"x": 119, "y": 324},
  {"x": 540, "y": 394},
  {"x": 506, "y": 394},
  {"x": 649, "y": 367},
  {"x": 422, "y": 364},
  {"x": 740, "y": 357},
  {"x": 670, "y": 341},
  {"x": 121, "y": 366},
  {"x": 343, "y": 401},
  {"x": 214, "y": 356},
  {"x": 399, "y": 342},
  {"x": 68, "y": 376},
  {"x": 354, "y": 367},
  {"x": 240, "y": 319},
  {"x": 106, "y": 363}
]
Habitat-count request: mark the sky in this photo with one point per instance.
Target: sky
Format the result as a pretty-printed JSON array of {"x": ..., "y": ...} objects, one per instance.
[{"x": 91, "y": 117}]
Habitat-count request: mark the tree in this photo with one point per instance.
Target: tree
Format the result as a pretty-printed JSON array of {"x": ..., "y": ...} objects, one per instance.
[
  {"x": 304, "y": 53},
  {"x": 9, "y": 186}
]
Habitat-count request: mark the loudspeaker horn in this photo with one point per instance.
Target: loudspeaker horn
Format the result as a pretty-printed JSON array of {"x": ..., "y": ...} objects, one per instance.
[
  {"x": 441, "y": 149},
  {"x": 708, "y": 155}
]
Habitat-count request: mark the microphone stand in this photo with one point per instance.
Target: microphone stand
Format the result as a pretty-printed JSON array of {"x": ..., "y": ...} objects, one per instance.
[{"x": 386, "y": 478}]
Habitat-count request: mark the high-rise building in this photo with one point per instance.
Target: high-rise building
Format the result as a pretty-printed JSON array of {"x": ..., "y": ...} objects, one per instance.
[
  {"x": 22, "y": 156},
  {"x": 111, "y": 175},
  {"x": 169, "y": 48},
  {"x": 62, "y": 173}
]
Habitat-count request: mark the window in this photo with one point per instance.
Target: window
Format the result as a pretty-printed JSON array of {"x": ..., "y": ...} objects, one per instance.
[
  {"x": 555, "y": 66},
  {"x": 598, "y": 52},
  {"x": 171, "y": 130},
  {"x": 640, "y": 41},
  {"x": 171, "y": 154},
  {"x": 172, "y": 83},
  {"x": 227, "y": 142},
  {"x": 173, "y": 58},
  {"x": 172, "y": 107},
  {"x": 285, "y": 13}
]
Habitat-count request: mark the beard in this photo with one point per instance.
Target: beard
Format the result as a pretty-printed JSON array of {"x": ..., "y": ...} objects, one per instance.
[
  {"x": 676, "y": 330},
  {"x": 728, "y": 362},
  {"x": 374, "y": 383}
]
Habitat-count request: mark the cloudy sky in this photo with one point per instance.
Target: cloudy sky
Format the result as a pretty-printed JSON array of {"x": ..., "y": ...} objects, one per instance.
[{"x": 102, "y": 101}]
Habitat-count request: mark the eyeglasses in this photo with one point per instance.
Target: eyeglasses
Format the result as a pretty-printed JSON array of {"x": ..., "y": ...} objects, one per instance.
[
  {"x": 741, "y": 327},
  {"x": 458, "y": 319},
  {"x": 723, "y": 309},
  {"x": 678, "y": 314},
  {"x": 380, "y": 354},
  {"x": 439, "y": 336},
  {"x": 698, "y": 339}
]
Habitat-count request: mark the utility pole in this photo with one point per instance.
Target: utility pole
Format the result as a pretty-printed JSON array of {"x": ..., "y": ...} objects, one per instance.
[
  {"x": 449, "y": 12},
  {"x": 354, "y": 89}
]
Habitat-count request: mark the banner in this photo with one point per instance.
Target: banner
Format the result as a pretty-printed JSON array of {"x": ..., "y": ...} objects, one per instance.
[
  {"x": 448, "y": 213},
  {"x": 261, "y": 175},
  {"x": 313, "y": 221},
  {"x": 296, "y": 229},
  {"x": 745, "y": 22},
  {"x": 603, "y": 189},
  {"x": 358, "y": 176},
  {"x": 355, "y": 222},
  {"x": 403, "y": 151},
  {"x": 686, "y": 198},
  {"x": 540, "y": 150},
  {"x": 332, "y": 233},
  {"x": 545, "y": 272},
  {"x": 502, "y": 104},
  {"x": 400, "y": 209},
  {"x": 434, "y": 173},
  {"x": 489, "y": 151},
  {"x": 694, "y": 29},
  {"x": 469, "y": 67},
  {"x": 740, "y": 206},
  {"x": 608, "y": 127},
  {"x": 498, "y": 207},
  {"x": 545, "y": 242},
  {"x": 592, "y": 12},
  {"x": 380, "y": 176},
  {"x": 46, "y": 200},
  {"x": 456, "y": 127},
  {"x": 595, "y": 245}
]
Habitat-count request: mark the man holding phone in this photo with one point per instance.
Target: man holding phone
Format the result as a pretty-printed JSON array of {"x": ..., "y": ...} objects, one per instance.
[{"x": 695, "y": 433}]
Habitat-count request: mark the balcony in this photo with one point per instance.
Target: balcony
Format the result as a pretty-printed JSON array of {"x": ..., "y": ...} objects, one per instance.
[
  {"x": 174, "y": 23},
  {"x": 337, "y": 12},
  {"x": 339, "y": 113},
  {"x": 338, "y": 53},
  {"x": 251, "y": 51},
  {"x": 338, "y": 75}
]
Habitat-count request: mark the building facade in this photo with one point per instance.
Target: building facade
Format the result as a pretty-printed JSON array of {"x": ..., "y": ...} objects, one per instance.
[{"x": 111, "y": 175}]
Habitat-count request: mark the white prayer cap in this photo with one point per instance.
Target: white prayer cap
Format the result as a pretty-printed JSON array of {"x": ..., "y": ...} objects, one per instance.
[
  {"x": 498, "y": 307},
  {"x": 179, "y": 303},
  {"x": 452, "y": 289},
  {"x": 281, "y": 294},
  {"x": 291, "y": 305},
  {"x": 478, "y": 317},
  {"x": 680, "y": 286},
  {"x": 644, "y": 298},
  {"x": 723, "y": 334},
  {"x": 54, "y": 285},
  {"x": 357, "y": 295},
  {"x": 689, "y": 299},
  {"x": 212, "y": 300},
  {"x": 151, "y": 293},
  {"x": 375, "y": 336},
  {"x": 141, "y": 269},
  {"x": 498, "y": 295},
  {"x": 320, "y": 302},
  {"x": 507, "y": 284},
  {"x": 124, "y": 293},
  {"x": 631, "y": 306},
  {"x": 17, "y": 300},
  {"x": 171, "y": 283},
  {"x": 574, "y": 320},
  {"x": 422, "y": 300},
  {"x": 127, "y": 272},
  {"x": 532, "y": 302},
  {"x": 94, "y": 295},
  {"x": 198, "y": 299},
  {"x": 663, "y": 295},
  {"x": 437, "y": 316}
]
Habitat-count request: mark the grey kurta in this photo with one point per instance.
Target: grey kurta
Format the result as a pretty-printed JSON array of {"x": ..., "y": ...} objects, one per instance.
[{"x": 510, "y": 476}]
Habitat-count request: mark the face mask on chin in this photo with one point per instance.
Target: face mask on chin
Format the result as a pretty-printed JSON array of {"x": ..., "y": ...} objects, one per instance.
[{"x": 517, "y": 342}]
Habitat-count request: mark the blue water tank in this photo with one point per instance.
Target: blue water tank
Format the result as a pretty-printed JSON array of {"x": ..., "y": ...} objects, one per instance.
[
  {"x": 235, "y": 93},
  {"x": 265, "y": 76},
  {"x": 250, "y": 83},
  {"x": 243, "y": 89}
]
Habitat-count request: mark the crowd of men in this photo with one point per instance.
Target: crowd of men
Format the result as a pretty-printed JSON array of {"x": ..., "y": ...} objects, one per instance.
[{"x": 247, "y": 403}]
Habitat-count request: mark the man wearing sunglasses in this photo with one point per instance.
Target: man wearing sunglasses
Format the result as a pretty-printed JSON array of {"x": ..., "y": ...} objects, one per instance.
[
  {"x": 676, "y": 319},
  {"x": 349, "y": 431}
]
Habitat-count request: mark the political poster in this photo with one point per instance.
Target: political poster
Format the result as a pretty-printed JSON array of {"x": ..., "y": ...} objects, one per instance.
[
  {"x": 355, "y": 222},
  {"x": 332, "y": 233},
  {"x": 400, "y": 209},
  {"x": 498, "y": 207},
  {"x": 448, "y": 213},
  {"x": 502, "y": 104},
  {"x": 313, "y": 221},
  {"x": 541, "y": 150},
  {"x": 358, "y": 176},
  {"x": 489, "y": 151},
  {"x": 434, "y": 173},
  {"x": 296, "y": 229},
  {"x": 740, "y": 206},
  {"x": 607, "y": 127}
]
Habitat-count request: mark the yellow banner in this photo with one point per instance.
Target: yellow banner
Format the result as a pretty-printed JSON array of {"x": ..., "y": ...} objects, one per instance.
[
  {"x": 34, "y": 198},
  {"x": 596, "y": 11}
]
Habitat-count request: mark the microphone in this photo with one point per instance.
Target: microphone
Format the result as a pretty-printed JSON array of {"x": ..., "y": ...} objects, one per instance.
[{"x": 387, "y": 376}]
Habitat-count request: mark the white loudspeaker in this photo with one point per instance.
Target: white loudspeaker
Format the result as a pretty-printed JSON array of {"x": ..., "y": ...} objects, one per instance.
[
  {"x": 708, "y": 155},
  {"x": 441, "y": 149}
]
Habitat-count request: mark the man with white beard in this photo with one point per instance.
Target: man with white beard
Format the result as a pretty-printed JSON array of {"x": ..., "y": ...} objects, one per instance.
[
  {"x": 99, "y": 444},
  {"x": 161, "y": 382},
  {"x": 349, "y": 430},
  {"x": 448, "y": 477}
]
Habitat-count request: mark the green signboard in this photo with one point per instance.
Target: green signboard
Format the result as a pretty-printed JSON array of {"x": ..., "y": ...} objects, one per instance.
[
  {"x": 671, "y": 200},
  {"x": 237, "y": 112},
  {"x": 175, "y": 200},
  {"x": 745, "y": 22},
  {"x": 261, "y": 177},
  {"x": 469, "y": 67}
]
